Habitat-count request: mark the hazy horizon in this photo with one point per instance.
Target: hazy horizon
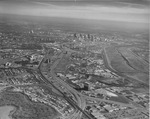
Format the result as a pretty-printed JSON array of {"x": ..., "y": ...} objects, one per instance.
[{"x": 100, "y": 10}]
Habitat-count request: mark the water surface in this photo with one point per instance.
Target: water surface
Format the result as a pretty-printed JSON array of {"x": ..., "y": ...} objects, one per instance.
[{"x": 5, "y": 112}]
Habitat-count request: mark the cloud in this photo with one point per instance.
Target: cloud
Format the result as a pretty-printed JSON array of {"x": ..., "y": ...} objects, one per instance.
[{"x": 96, "y": 12}]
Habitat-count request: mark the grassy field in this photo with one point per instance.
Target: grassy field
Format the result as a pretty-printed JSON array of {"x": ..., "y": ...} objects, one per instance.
[
  {"x": 125, "y": 62},
  {"x": 135, "y": 61},
  {"x": 117, "y": 61}
]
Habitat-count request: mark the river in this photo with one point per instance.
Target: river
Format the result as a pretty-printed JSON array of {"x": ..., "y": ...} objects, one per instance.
[{"x": 5, "y": 112}]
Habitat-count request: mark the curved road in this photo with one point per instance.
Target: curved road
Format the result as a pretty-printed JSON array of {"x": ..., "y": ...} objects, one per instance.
[{"x": 80, "y": 98}]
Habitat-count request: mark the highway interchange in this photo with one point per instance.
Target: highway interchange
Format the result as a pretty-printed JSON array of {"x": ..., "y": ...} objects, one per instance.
[{"x": 80, "y": 99}]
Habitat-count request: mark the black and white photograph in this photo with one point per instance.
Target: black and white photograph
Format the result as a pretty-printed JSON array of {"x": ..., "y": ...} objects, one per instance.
[{"x": 74, "y": 59}]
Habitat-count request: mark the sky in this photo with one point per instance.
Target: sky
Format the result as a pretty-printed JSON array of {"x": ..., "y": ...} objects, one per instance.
[{"x": 113, "y": 10}]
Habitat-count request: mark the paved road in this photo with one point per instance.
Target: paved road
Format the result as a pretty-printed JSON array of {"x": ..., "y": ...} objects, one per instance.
[
  {"x": 81, "y": 101},
  {"x": 80, "y": 98}
]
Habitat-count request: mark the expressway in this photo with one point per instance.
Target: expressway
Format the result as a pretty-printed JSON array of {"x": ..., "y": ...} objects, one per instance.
[
  {"x": 81, "y": 101},
  {"x": 80, "y": 98}
]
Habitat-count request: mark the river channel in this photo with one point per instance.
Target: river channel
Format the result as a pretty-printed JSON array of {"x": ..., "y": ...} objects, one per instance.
[{"x": 5, "y": 112}]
